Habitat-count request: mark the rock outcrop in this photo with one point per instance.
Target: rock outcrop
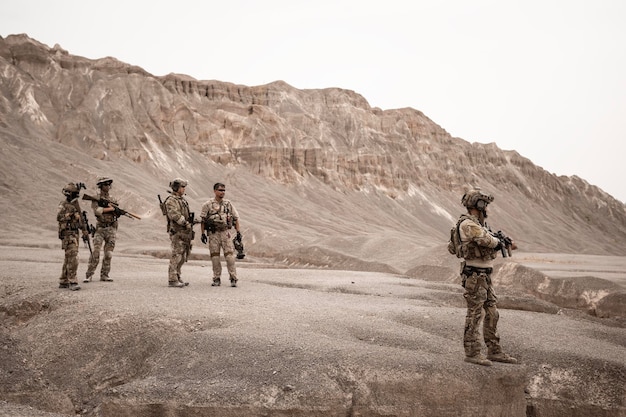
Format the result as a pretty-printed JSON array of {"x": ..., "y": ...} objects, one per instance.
[{"x": 113, "y": 111}]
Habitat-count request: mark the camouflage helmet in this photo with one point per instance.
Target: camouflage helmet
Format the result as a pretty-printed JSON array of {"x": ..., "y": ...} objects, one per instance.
[
  {"x": 177, "y": 183},
  {"x": 476, "y": 199},
  {"x": 70, "y": 189},
  {"x": 104, "y": 181}
]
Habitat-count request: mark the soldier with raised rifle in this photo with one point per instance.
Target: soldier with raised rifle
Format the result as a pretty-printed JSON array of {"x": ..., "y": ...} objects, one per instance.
[{"x": 107, "y": 212}]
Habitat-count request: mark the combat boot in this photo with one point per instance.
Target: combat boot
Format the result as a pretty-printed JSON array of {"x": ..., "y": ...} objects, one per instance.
[
  {"x": 64, "y": 285},
  {"x": 501, "y": 357},
  {"x": 176, "y": 284},
  {"x": 478, "y": 360},
  {"x": 233, "y": 282},
  {"x": 74, "y": 286},
  {"x": 216, "y": 282},
  {"x": 185, "y": 283}
]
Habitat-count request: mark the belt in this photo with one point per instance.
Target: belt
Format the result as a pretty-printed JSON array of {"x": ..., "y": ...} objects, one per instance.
[
  {"x": 468, "y": 270},
  {"x": 106, "y": 224}
]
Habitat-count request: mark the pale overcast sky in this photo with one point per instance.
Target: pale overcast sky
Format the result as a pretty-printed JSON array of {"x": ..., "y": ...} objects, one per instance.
[{"x": 546, "y": 78}]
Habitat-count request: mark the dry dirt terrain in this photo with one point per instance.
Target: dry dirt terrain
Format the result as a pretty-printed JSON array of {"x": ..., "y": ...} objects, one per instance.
[
  {"x": 288, "y": 342},
  {"x": 348, "y": 305}
]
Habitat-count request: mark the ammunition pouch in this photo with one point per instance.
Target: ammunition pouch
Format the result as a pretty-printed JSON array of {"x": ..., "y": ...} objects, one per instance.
[{"x": 210, "y": 226}]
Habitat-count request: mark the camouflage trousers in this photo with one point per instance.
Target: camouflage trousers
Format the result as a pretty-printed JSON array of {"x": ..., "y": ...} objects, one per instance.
[
  {"x": 479, "y": 296},
  {"x": 222, "y": 240},
  {"x": 181, "y": 246},
  {"x": 70, "y": 263},
  {"x": 106, "y": 236}
]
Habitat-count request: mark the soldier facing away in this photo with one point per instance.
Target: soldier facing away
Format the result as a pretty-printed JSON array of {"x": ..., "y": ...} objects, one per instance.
[
  {"x": 106, "y": 230},
  {"x": 70, "y": 222},
  {"x": 479, "y": 248},
  {"x": 218, "y": 217}
]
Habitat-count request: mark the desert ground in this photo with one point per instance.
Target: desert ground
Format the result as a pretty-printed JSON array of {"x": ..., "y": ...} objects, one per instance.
[{"x": 291, "y": 342}]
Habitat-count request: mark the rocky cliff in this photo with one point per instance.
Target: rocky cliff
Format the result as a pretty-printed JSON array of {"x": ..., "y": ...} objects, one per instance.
[{"x": 398, "y": 162}]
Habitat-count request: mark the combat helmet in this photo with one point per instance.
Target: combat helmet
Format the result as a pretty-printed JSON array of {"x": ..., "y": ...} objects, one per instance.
[
  {"x": 177, "y": 183},
  {"x": 476, "y": 199},
  {"x": 104, "y": 181},
  {"x": 71, "y": 189}
]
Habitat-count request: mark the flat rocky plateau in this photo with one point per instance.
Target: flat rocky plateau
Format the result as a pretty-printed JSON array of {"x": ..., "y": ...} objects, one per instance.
[{"x": 286, "y": 342}]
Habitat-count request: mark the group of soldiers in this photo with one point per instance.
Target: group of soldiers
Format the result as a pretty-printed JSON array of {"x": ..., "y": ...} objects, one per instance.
[
  {"x": 218, "y": 217},
  {"x": 473, "y": 241}
]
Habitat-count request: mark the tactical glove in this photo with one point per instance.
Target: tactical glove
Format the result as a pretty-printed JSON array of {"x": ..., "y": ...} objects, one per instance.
[{"x": 203, "y": 238}]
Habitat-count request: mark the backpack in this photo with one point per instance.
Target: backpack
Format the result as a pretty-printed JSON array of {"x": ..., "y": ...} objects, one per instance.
[{"x": 454, "y": 244}]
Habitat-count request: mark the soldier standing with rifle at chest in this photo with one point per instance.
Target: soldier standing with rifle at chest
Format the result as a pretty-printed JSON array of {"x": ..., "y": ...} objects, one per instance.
[{"x": 478, "y": 246}]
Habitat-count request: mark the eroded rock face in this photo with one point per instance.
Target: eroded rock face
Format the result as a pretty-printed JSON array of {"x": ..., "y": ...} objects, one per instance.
[{"x": 111, "y": 110}]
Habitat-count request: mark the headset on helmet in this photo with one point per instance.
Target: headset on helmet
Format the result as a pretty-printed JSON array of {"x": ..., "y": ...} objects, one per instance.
[
  {"x": 73, "y": 189},
  {"x": 476, "y": 199},
  {"x": 177, "y": 183}
]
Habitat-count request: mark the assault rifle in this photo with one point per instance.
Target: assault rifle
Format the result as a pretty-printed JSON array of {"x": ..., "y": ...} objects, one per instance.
[
  {"x": 103, "y": 202},
  {"x": 91, "y": 230},
  {"x": 506, "y": 243},
  {"x": 239, "y": 246},
  {"x": 193, "y": 222}
]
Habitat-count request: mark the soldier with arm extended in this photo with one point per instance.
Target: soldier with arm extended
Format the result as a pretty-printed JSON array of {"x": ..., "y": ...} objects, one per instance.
[
  {"x": 479, "y": 248},
  {"x": 218, "y": 217},
  {"x": 106, "y": 230},
  {"x": 70, "y": 225},
  {"x": 180, "y": 229}
]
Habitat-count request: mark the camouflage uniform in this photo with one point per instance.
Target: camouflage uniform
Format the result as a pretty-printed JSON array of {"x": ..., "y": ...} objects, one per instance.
[
  {"x": 106, "y": 230},
  {"x": 479, "y": 249},
  {"x": 70, "y": 222},
  {"x": 218, "y": 218},
  {"x": 181, "y": 234},
  {"x": 479, "y": 293}
]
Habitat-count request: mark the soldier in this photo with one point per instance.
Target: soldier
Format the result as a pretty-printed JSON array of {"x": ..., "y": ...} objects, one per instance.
[
  {"x": 106, "y": 229},
  {"x": 218, "y": 217},
  {"x": 479, "y": 248},
  {"x": 180, "y": 228},
  {"x": 70, "y": 222}
]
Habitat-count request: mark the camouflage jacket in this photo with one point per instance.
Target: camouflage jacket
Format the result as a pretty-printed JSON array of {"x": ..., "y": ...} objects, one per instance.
[
  {"x": 104, "y": 218},
  {"x": 177, "y": 213},
  {"x": 222, "y": 214},
  {"x": 477, "y": 243},
  {"x": 69, "y": 217}
]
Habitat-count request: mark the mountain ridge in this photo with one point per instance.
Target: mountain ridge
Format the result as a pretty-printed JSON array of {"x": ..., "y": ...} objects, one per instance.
[{"x": 386, "y": 172}]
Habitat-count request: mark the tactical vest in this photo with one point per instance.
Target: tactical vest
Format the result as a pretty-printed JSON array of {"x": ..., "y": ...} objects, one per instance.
[
  {"x": 183, "y": 209},
  {"x": 71, "y": 225},
  {"x": 469, "y": 249},
  {"x": 220, "y": 216}
]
